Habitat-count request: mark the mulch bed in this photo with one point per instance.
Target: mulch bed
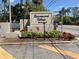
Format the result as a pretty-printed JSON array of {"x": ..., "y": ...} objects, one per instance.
[{"x": 29, "y": 40}]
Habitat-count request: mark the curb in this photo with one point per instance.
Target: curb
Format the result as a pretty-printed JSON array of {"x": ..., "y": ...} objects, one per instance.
[
  {"x": 24, "y": 43},
  {"x": 75, "y": 42},
  {"x": 44, "y": 42}
]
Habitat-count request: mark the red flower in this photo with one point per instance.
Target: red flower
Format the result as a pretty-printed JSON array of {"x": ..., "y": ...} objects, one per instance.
[
  {"x": 22, "y": 30},
  {"x": 68, "y": 36}
]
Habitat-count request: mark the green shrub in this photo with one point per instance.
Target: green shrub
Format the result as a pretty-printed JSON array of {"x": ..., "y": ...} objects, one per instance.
[
  {"x": 37, "y": 34},
  {"x": 29, "y": 34},
  {"x": 55, "y": 34},
  {"x": 26, "y": 34},
  {"x": 52, "y": 34},
  {"x": 34, "y": 34},
  {"x": 23, "y": 34},
  {"x": 40, "y": 35}
]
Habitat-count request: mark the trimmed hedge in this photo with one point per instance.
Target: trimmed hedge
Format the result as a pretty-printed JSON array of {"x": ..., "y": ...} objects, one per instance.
[
  {"x": 52, "y": 34},
  {"x": 55, "y": 34}
]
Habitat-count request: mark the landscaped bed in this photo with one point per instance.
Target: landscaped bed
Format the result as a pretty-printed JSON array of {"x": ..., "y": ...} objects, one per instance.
[{"x": 57, "y": 35}]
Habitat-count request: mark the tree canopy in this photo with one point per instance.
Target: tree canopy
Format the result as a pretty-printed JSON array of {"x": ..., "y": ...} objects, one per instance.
[{"x": 70, "y": 15}]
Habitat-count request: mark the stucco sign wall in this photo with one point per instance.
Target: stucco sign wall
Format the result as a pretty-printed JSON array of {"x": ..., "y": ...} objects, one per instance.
[{"x": 36, "y": 17}]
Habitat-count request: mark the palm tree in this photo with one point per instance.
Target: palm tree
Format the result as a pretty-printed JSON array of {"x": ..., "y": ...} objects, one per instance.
[
  {"x": 62, "y": 11},
  {"x": 75, "y": 11},
  {"x": 64, "y": 15},
  {"x": 21, "y": 2},
  {"x": 37, "y": 3},
  {"x": 28, "y": 8},
  {"x": 68, "y": 11},
  {"x": 0, "y": 5}
]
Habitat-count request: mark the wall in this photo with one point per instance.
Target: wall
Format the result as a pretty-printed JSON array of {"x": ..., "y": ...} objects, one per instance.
[
  {"x": 4, "y": 27},
  {"x": 5, "y": 30}
]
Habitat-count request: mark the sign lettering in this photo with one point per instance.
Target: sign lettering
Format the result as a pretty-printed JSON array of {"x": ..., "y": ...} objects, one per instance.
[{"x": 35, "y": 16}]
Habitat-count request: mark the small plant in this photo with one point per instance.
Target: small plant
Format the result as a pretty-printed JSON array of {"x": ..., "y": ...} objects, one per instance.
[
  {"x": 68, "y": 36},
  {"x": 26, "y": 34},
  {"x": 55, "y": 34},
  {"x": 40, "y": 35},
  {"x": 32, "y": 34}
]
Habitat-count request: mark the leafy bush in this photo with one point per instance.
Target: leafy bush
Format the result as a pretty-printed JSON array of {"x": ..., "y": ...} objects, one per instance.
[
  {"x": 55, "y": 34},
  {"x": 40, "y": 35},
  {"x": 32, "y": 34},
  {"x": 26, "y": 34},
  {"x": 37, "y": 34},
  {"x": 52, "y": 34}
]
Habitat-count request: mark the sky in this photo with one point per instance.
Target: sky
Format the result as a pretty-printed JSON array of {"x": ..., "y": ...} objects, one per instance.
[
  {"x": 61, "y": 3},
  {"x": 57, "y": 5}
]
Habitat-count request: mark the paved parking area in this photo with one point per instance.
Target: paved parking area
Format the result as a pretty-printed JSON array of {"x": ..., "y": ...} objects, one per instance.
[{"x": 42, "y": 51}]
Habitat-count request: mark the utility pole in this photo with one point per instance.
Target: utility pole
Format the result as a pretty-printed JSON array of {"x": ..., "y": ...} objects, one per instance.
[
  {"x": 22, "y": 10},
  {"x": 23, "y": 17},
  {"x": 10, "y": 16},
  {"x": 62, "y": 23}
]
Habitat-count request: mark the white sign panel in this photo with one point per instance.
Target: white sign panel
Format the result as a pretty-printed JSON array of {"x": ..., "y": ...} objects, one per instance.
[{"x": 35, "y": 17}]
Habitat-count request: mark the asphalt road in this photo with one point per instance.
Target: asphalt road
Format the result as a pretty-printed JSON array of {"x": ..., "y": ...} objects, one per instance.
[
  {"x": 43, "y": 51},
  {"x": 70, "y": 29}
]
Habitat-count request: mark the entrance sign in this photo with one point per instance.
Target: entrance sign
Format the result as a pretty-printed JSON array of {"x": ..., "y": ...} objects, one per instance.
[{"x": 38, "y": 18}]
